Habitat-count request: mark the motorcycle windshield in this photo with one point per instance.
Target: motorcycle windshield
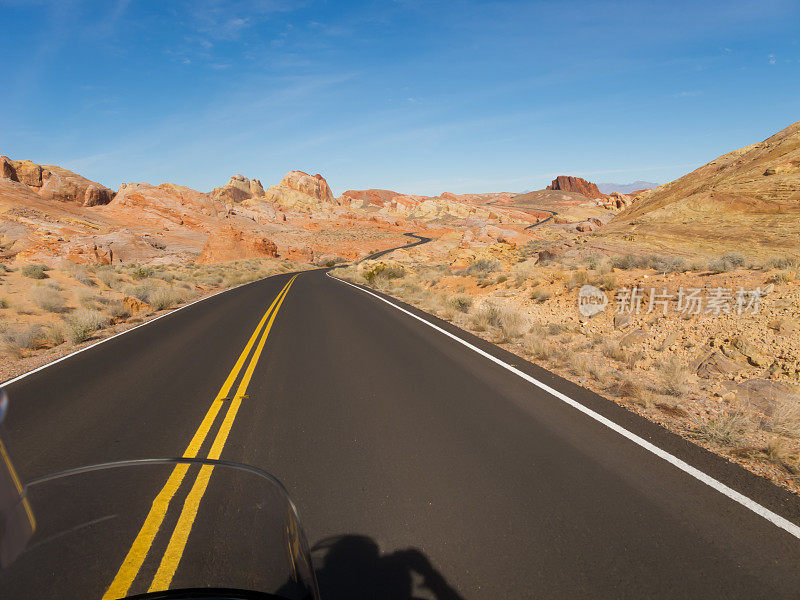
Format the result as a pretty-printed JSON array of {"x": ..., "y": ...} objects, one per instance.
[{"x": 161, "y": 528}]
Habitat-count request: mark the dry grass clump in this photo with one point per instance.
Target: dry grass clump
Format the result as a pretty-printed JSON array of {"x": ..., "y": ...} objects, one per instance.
[
  {"x": 662, "y": 264},
  {"x": 674, "y": 377},
  {"x": 608, "y": 282},
  {"x": 141, "y": 291},
  {"x": 47, "y": 298},
  {"x": 540, "y": 294},
  {"x": 460, "y": 302},
  {"x": 83, "y": 323},
  {"x": 108, "y": 277},
  {"x": 537, "y": 346},
  {"x": 633, "y": 389},
  {"x": 728, "y": 429},
  {"x": 82, "y": 276},
  {"x": 512, "y": 323},
  {"x": 577, "y": 279},
  {"x": 484, "y": 317}
]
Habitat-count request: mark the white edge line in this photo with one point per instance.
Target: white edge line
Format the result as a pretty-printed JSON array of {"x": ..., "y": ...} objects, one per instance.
[
  {"x": 748, "y": 503},
  {"x": 111, "y": 337}
]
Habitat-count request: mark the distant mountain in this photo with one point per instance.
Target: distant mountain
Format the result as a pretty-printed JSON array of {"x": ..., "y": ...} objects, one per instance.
[{"x": 626, "y": 188}]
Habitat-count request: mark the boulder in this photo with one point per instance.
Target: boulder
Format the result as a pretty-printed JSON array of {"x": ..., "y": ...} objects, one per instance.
[
  {"x": 717, "y": 365},
  {"x": 764, "y": 395},
  {"x": 633, "y": 338},
  {"x": 621, "y": 321},
  {"x": 585, "y": 227}
]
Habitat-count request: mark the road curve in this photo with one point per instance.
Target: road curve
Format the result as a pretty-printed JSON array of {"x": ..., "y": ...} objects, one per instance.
[{"x": 392, "y": 436}]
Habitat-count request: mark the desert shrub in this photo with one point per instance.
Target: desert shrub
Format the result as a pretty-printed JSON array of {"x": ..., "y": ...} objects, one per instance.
[
  {"x": 727, "y": 262},
  {"x": 608, "y": 282},
  {"x": 4, "y": 303},
  {"x": 167, "y": 276},
  {"x": 81, "y": 276},
  {"x": 461, "y": 303},
  {"x": 578, "y": 279},
  {"x": 780, "y": 277},
  {"x": 781, "y": 262},
  {"x": 164, "y": 297},
  {"x": 591, "y": 261},
  {"x": 668, "y": 264},
  {"x": 540, "y": 294},
  {"x": 785, "y": 417},
  {"x": 483, "y": 266},
  {"x": 385, "y": 272},
  {"x": 108, "y": 277},
  {"x": 47, "y": 298},
  {"x": 141, "y": 272},
  {"x": 35, "y": 271},
  {"x": 16, "y": 338},
  {"x": 674, "y": 377},
  {"x": 728, "y": 429},
  {"x": 502, "y": 278},
  {"x": 82, "y": 324},
  {"x": 141, "y": 291},
  {"x": 537, "y": 346},
  {"x": 628, "y": 262},
  {"x": 56, "y": 334}
]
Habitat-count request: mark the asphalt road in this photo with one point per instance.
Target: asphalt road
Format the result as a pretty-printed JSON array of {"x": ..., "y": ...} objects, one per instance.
[{"x": 420, "y": 467}]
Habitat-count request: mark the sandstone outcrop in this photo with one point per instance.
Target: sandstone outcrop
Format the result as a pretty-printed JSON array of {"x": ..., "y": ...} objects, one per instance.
[
  {"x": 301, "y": 191},
  {"x": 237, "y": 189},
  {"x": 55, "y": 183},
  {"x": 567, "y": 183}
]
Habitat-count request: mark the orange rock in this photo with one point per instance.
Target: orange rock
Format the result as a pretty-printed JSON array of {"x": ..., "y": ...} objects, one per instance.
[{"x": 134, "y": 305}]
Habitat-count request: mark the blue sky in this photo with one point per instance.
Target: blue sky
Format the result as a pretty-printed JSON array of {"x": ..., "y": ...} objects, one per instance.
[{"x": 415, "y": 96}]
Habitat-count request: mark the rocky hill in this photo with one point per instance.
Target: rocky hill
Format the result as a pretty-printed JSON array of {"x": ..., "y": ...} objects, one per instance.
[{"x": 747, "y": 200}]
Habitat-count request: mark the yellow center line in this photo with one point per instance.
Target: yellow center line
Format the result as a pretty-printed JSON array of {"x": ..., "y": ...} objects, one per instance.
[
  {"x": 144, "y": 540},
  {"x": 177, "y": 543}
]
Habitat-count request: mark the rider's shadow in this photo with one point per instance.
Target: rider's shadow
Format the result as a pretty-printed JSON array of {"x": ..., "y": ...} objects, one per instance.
[{"x": 352, "y": 568}]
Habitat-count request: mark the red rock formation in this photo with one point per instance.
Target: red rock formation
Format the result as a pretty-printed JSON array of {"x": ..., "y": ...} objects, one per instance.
[{"x": 566, "y": 183}]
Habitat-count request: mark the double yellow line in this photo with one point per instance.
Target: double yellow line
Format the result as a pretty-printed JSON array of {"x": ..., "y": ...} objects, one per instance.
[{"x": 177, "y": 543}]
